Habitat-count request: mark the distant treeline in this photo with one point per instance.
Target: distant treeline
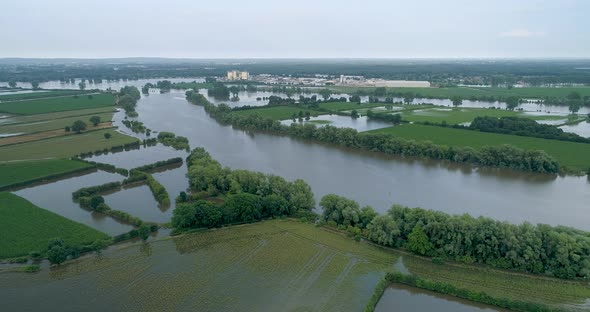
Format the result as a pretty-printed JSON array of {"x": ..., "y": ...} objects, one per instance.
[
  {"x": 523, "y": 127},
  {"x": 493, "y": 156},
  {"x": 535, "y": 72},
  {"x": 541, "y": 249},
  {"x": 241, "y": 196}
]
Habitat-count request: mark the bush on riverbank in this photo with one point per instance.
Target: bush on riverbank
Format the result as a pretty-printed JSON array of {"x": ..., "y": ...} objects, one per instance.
[{"x": 542, "y": 249}]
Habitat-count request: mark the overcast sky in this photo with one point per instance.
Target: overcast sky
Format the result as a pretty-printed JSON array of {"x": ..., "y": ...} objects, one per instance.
[{"x": 295, "y": 29}]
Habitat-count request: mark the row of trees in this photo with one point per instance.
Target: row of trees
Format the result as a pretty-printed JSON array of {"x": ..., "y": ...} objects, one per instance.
[
  {"x": 556, "y": 251},
  {"x": 523, "y": 127},
  {"x": 246, "y": 196},
  {"x": 494, "y": 156}
]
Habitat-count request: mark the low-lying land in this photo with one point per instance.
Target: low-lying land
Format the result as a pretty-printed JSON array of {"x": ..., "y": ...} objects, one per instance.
[
  {"x": 46, "y": 125},
  {"x": 64, "y": 146},
  {"x": 462, "y": 115},
  {"x": 40, "y": 94},
  {"x": 277, "y": 112},
  {"x": 574, "y": 156},
  {"x": 477, "y": 92},
  {"x": 57, "y": 104},
  {"x": 17, "y": 119},
  {"x": 16, "y": 173},
  {"x": 25, "y": 228}
]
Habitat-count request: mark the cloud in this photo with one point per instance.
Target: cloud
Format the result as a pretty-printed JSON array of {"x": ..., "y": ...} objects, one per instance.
[{"x": 522, "y": 33}]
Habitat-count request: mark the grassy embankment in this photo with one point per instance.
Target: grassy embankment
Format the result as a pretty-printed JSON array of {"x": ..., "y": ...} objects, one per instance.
[
  {"x": 16, "y": 173},
  {"x": 574, "y": 156},
  {"x": 462, "y": 115},
  {"x": 40, "y": 94},
  {"x": 467, "y": 92},
  {"x": 57, "y": 104},
  {"x": 25, "y": 227}
]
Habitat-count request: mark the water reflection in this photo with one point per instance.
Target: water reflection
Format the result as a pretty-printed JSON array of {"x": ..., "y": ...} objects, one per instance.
[
  {"x": 360, "y": 124},
  {"x": 409, "y": 299},
  {"x": 375, "y": 179}
]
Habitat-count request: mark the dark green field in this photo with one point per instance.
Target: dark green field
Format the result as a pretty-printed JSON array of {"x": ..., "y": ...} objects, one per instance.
[
  {"x": 25, "y": 227},
  {"x": 58, "y": 104},
  {"x": 37, "y": 95},
  {"x": 277, "y": 112},
  {"x": 575, "y": 156},
  {"x": 65, "y": 146},
  {"x": 19, "y": 172}
]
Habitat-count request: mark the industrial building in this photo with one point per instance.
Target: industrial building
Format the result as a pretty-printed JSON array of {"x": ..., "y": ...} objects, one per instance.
[{"x": 238, "y": 75}]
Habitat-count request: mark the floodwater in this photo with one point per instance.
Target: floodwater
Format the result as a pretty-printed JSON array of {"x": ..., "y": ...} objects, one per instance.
[
  {"x": 374, "y": 179},
  {"x": 360, "y": 124},
  {"x": 57, "y": 197},
  {"x": 409, "y": 299},
  {"x": 581, "y": 129}
]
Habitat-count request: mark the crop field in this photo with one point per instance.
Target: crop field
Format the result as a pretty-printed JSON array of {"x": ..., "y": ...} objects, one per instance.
[
  {"x": 63, "y": 146},
  {"x": 462, "y": 115},
  {"x": 467, "y": 92},
  {"x": 18, "y": 172},
  {"x": 46, "y": 125},
  {"x": 268, "y": 266},
  {"x": 502, "y": 284},
  {"x": 575, "y": 156},
  {"x": 276, "y": 112},
  {"x": 57, "y": 115},
  {"x": 37, "y": 95},
  {"x": 25, "y": 227},
  {"x": 57, "y": 104},
  {"x": 277, "y": 265}
]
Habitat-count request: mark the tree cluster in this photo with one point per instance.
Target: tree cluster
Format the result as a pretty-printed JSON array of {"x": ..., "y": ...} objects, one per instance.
[
  {"x": 523, "y": 127},
  {"x": 556, "y": 251},
  {"x": 246, "y": 196}
]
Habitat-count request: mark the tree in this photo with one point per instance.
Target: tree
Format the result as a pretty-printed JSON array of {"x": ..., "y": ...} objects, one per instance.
[
  {"x": 57, "y": 252},
  {"x": 82, "y": 85},
  {"x": 354, "y": 114},
  {"x": 457, "y": 101},
  {"x": 144, "y": 231},
  {"x": 78, "y": 126},
  {"x": 12, "y": 83},
  {"x": 512, "y": 102},
  {"x": 107, "y": 135},
  {"x": 242, "y": 207},
  {"x": 383, "y": 230},
  {"x": 418, "y": 241},
  {"x": 98, "y": 245},
  {"x": 574, "y": 106},
  {"x": 67, "y": 129},
  {"x": 35, "y": 84},
  {"x": 408, "y": 97},
  {"x": 325, "y": 93},
  {"x": 95, "y": 120},
  {"x": 355, "y": 99}
]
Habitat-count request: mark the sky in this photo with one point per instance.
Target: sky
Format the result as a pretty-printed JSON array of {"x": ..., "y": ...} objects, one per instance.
[{"x": 295, "y": 29}]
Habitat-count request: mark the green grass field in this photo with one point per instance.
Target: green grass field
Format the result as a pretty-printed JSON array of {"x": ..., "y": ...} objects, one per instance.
[
  {"x": 462, "y": 115},
  {"x": 342, "y": 106},
  {"x": 18, "y": 172},
  {"x": 575, "y": 156},
  {"x": 276, "y": 112},
  {"x": 41, "y": 94},
  {"x": 57, "y": 115},
  {"x": 65, "y": 146},
  {"x": 467, "y": 92},
  {"x": 46, "y": 125},
  {"x": 25, "y": 227},
  {"x": 40, "y": 106},
  {"x": 502, "y": 284}
]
